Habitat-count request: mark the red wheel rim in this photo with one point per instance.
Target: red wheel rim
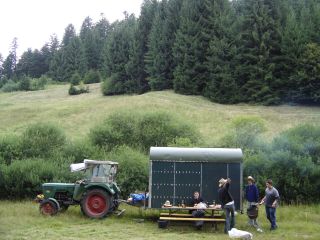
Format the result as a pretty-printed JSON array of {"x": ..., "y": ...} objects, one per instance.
[
  {"x": 96, "y": 204},
  {"x": 47, "y": 209}
]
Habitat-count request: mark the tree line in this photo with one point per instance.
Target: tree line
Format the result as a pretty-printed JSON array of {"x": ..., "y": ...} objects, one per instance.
[{"x": 252, "y": 51}]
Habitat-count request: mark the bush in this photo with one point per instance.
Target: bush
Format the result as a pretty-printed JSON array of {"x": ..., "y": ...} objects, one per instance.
[
  {"x": 161, "y": 129},
  {"x": 41, "y": 140},
  {"x": 76, "y": 152},
  {"x": 244, "y": 133},
  {"x": 133, "y": 170},
  {"x": 23, "y": 179},
  {"x": 10, "y": 86},
  {"x": 39, "y": 83},
  {"x": 24, "y": 83},
  {"x": 92, "y": 77},
  {"x": 106, "y": 87},
  {"x": 292, "y": 161},
  {"x": 303, "y": 140},
  {"x": 75, "y": 79},
  {"x": 9, "y": 149},
  {"x": 142, "y": 130},
  {"x": 73, "y": 90}
]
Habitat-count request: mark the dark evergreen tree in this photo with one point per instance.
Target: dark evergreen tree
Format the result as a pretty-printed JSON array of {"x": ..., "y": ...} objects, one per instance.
[
  {"x": 10, "y": 63},
  {"x": 1, "y": 68},
  {"x": 89, "y": 43},
  {"x": 101, "y": 34},
  {"x": 294, "y": 39},
  {"x": 156, "y": 58},
  {"x": 221, "y": 85},
  {"x": 191, "y": 46},
  {"x": 75, "y": 60},
  {"x": 117, "y": 56},
  {"x": 57, "y": 67},
  {"x": 258, "y": 68},
  {"x": 159, "y": 59},
  {"x": 69, "y": 34},
  {"x": 136, "y": 65},
  {"x": 308, "y": 90}
]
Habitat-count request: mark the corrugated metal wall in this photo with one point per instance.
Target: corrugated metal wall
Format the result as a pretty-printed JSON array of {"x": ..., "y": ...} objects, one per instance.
[{"x": 176, "y": 181}]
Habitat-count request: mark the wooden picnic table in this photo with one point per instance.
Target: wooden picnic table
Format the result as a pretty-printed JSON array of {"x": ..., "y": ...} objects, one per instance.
[{"x": 213, "y": 214}]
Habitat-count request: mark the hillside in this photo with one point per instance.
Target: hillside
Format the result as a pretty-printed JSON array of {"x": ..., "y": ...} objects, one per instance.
[{"x": 78, "y": 114}]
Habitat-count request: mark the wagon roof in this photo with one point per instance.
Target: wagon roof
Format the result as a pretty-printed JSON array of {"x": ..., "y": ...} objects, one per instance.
[{"x": 223, "y": 155}]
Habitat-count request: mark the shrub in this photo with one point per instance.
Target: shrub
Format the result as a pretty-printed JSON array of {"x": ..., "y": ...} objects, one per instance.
[
  {"x": 40, "y": 140},
  {"x": 133, "y": 170},
  {"x": 106, "y": 87},
  {"x": 303, "y": 140},
  {"x": 161, "y": 129},
  {"x": 76, "y": 152},
  {"x": 118, "y": 129},
  {"x": 9, "y": 149},
  {"x": 142, "y": 130},
  {"x": 73, "y": 90},
  {"x": 24, "y": 83},
  {"x": 39, "y": 83},
  {"x": 92, "y": 77},
  {"x": 23, "y": 179},
  {"x": 75, "y": 79},
  {"x": 10, "y": 86},
  {"x": 244, "y": 133}
]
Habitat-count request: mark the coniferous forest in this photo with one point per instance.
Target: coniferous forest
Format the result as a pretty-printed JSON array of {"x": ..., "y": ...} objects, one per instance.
[{"x": 248, "y": 51}]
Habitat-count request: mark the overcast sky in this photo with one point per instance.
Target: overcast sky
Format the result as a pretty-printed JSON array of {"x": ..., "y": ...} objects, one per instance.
[{"x": 33, "y": 21}]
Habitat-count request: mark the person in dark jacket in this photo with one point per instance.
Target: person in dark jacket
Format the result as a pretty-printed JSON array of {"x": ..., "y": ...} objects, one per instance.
[
  {"x": 227, "y": 203},
  {"x": 197, "y": 213},
  {"x": 252, "y": 197}
]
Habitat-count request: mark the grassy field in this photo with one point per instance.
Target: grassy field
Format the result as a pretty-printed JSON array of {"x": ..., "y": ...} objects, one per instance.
[
  {"x": 22, "y": 220},
  {"x": 78, "y": 114}
]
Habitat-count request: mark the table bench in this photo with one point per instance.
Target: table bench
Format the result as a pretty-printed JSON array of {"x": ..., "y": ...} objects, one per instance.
[{"x": 215, "y": 216}]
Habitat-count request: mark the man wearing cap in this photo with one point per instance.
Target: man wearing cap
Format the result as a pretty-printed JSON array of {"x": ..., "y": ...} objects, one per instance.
[
  {"x": 227, "y": 203},
  {"x": 252, "y": 197},
  {"x": 271, "y": 201}
]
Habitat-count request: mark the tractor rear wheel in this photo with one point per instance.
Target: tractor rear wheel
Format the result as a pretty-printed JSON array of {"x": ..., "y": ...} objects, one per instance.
[
  {"x": 48, "y": 207},
  {"x": 96, "y": 203}
]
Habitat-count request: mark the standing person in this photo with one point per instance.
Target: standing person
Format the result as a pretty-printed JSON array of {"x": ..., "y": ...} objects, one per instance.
[
  {"x": 227, "y": 203},
  {"x": 252, "y": 197},
  {"x": 196, "y": 201},
  {"x": 271, "y": 199}
]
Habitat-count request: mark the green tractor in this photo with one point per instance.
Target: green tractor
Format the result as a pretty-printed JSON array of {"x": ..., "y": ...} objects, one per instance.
[{"x": 97, "y": 194}]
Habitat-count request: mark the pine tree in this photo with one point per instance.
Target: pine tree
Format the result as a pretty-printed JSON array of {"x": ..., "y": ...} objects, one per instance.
[
  {"x": 69, "y": 34},
  {"x": 1, "y": 68},
  {"x": 57, "y": 66},
  {"x": 101, "y": 34},
  {"x": 136, "y": 64},
  {"x": 10, "y": 63},
  {"x": 117, "y": 56},
  {"x": 158, "y": 51},
  {"x": 257, "y": 71},
  {"x": 75, "y": 60},
  {"x": 308, "y": 90},
  {"x": 191, "y": 46},
  {"x": 159, "y": 58},
  {"x": 221, "y": 85}
]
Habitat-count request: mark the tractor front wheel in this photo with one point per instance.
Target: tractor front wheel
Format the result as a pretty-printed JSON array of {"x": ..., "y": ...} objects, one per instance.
[
  {"x": 96, "y": 203},
  {"x": 48, "y": 207}
]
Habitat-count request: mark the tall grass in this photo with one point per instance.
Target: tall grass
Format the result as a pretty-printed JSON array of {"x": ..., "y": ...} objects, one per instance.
[{"x": 22, "y": 220}]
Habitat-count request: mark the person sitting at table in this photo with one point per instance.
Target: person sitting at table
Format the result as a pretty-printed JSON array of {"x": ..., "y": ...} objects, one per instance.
[{"x": 198, "y": 202}]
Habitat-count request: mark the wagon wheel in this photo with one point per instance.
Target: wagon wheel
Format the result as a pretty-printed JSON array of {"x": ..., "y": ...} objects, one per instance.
[
  {"x": 95, "y": 203},
  {"x": 48, "y": 207}
]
